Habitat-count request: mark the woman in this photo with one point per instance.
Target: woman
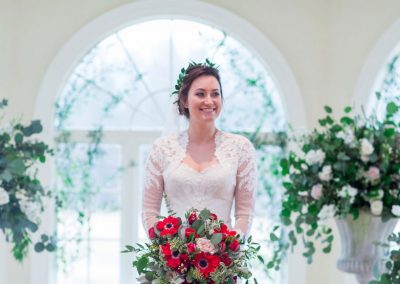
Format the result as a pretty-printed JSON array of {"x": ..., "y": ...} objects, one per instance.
[{"x": 201, "y": 167}]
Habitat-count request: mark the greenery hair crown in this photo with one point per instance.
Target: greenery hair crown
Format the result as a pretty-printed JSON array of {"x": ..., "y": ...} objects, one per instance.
[{"x": 183, "y": 73}]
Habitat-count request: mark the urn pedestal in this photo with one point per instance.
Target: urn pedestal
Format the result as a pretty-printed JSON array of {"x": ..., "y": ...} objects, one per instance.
[{"x": 359, "y": 254}]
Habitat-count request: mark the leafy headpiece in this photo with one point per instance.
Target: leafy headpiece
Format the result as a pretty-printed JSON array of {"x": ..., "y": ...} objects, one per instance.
[{"x": 183, "y": 73}]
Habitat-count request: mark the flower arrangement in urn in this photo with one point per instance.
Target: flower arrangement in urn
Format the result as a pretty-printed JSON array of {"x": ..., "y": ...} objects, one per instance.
[
  {"x": 21, "y": 193},
  {"x": 200, "y": 249},
  {"x": 345, "y": 166}
]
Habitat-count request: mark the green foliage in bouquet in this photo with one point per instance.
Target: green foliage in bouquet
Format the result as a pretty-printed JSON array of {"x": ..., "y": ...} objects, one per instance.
[
  {"x": 392, "y": 275},
  {"x": 199, "y": 250},
  {"x": 21, "y": 194},
  {"x": 347, "y": 165}
]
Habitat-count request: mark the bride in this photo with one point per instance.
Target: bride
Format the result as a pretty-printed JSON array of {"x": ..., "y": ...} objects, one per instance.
[{"x": 202, "y": 167}]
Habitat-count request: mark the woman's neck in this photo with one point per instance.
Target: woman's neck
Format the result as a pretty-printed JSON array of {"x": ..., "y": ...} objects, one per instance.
[{"x": 201, "y": 133}]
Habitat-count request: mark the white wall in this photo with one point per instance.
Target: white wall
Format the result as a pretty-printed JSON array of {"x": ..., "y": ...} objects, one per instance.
[{"x": 324, "y": 42}]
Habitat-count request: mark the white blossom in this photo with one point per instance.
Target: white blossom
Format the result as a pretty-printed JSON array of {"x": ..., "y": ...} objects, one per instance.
[
  {"x": 376, "y": 207},
  {"x": 347, "y": 135},
  {"x": 304, "y": 166},
  {"x": 4, "y": 196},
  {"x": 327, "y": 212},
  {"x": 396, "y": 210},
  {"x": 366, "y": 149},
  {"x": 372, "y": 174},
  {"x": 293, "y": 170},
  {"x": 348, "y": 191},
  {"x": 31, "y": 210},
  {"x": 325, "y": 174},
  {"x": 317, "y": 191},
  {"x": 315, "y": 157}
]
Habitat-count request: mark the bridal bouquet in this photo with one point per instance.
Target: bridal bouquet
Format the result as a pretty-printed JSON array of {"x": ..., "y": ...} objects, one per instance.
[
  {"x": 21, "y": 194},
  {"x": 199, "y": 249},
  {"x": 347, "y": 165}
]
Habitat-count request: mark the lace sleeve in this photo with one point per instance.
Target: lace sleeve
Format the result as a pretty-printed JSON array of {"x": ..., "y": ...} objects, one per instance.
[
  {"x": 153, "y": 187},
  {"x": 246, "y": 184}
]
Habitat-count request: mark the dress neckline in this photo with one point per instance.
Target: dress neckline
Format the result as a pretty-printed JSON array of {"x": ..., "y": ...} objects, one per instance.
[{"x": 184, "y": 142}]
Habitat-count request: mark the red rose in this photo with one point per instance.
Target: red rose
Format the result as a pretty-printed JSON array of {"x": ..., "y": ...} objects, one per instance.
[
  {"x": 234, "y": 245},
  {"x": 225, "y": 231},
  {"x": 190, "y": 231},
  {"x": 226, "y": 259},
  {"x": 213, "y": 216},
  {"x": 168, "y": 226},
  {"x": 152, "y": 233},
  {"x": 206, "y": 263},
  {"x": 191, "y": 247},
  {"x": 192, "y": 217}
]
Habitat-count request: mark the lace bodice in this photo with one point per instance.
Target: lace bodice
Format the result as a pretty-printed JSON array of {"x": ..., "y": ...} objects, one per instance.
[{"x": 232, "y": 180}]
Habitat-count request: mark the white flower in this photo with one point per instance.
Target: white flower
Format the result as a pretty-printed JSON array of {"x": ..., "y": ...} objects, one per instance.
[
  {"x": 376, "y": 207},
  {"x": 31, "y": 210},
  {"x": 372, "y": 174},
  {"x": 21, "y": 194},
  {"x": 205, "y": 245},
  {"x": 396, "y": 210},
  {"x": 326, "y": 173},
  {"x": 327, "y": 212},
  {"x": 315, "y": 157},
  {"x": 347, "y": 135},
  {"x": 293, "y": 170},
  {"x": 348, "y": 191},
  {"x": 304, "y": 166},
  {"x": 366, "y": 149},
  {"x": 4, "y": 196},
  {"x": 142, "y": 279},
  {"x": 173, "y": 277},
  {"x": 316, "y": 191}
]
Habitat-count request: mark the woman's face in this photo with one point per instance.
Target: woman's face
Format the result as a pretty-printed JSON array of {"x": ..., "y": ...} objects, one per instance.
[{"x": 204, "y": 99}]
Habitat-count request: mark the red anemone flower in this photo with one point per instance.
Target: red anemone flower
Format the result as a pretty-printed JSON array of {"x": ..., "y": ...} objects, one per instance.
[
  {"x": 168, "y": 226},
  {"x": 206, "y": 263}
]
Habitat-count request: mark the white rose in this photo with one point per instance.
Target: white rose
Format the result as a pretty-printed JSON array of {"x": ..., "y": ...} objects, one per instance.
[
  {"x": 347, "y": 135},
  {"x": 205, "y": 245},
  {"x": 376, "y": 207},
  {"x": 4, "y": 196},
  {"x": 348, "y": 191},
  {"x": 396, "y": 210},
  {"x": 316, "y": 191},
  {"x": 327, "y": 212},
  {"x": 366, "y": 148},
  {"x": 304, "y": 166},
  {"x": 21, "y": 194},
  {"x": 31, "y": 210},
  {"x": 373, "y": 174},
  {"x": 315, "y": 157},
  {"x": 326, "y": 173}
]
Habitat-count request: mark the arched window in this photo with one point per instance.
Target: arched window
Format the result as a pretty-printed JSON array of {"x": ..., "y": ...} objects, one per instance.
[
  {"x": 122, "y": 86},
  {"x": 107, "y": 84}
]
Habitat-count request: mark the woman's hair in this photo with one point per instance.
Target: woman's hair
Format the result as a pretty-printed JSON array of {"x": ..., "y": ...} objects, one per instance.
[{"x": 193, "y": 72}]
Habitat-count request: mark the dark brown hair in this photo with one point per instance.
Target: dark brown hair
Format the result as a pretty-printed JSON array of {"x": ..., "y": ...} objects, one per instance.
[{"x": 192, "y": 73}]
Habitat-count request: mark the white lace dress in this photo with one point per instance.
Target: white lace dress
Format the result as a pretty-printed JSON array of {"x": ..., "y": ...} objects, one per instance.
[{"x": 232, "y": 180}]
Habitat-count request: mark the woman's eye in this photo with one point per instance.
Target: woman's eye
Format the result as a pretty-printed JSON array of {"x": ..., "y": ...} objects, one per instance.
[
  {"x": 216, "y": 94},
  {"x": 200, "y": 94}
]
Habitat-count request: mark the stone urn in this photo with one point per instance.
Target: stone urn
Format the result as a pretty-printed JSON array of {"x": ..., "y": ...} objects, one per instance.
[{"x": 359, "y": 254}]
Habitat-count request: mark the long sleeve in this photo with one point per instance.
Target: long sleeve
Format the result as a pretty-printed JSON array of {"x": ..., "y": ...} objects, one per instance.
[
  {"x": 246, "y": 184},
  {"x": 153, "y": 187}
]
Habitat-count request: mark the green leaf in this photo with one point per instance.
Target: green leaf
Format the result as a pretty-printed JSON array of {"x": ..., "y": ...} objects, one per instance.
[
  {"x": 273, "y": 237},
  {"x": 346, "y": 120},
  {"x": 50, "y": 247},
  {"x": 44, "y": 238},
  {"x": 39, "y": 247},
  {"x": 18, "y": 138},
  {"x": 204, "y": 214},
  {"x": 141, "y": 263},
  {"x": 216, "y": 238},
  {"x": 391, "y": 108},
  {"x": 328, "y": 109},
  {"x": 347, "y": 109},
  {"x": 378, "y": 95}
]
